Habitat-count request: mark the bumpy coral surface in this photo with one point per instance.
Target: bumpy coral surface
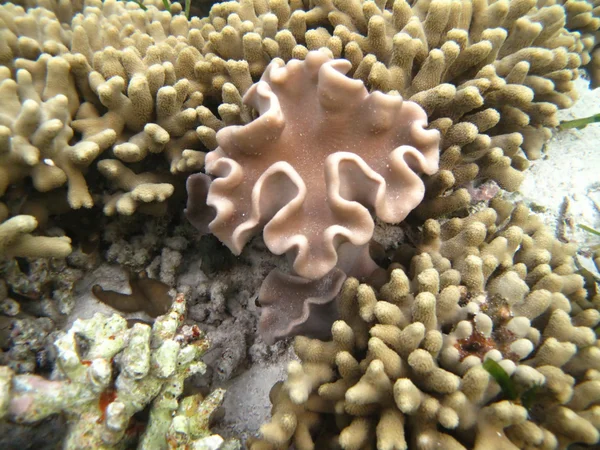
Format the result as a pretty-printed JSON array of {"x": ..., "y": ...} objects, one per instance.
[
  {"x": 100, "y": 400},
  {"x": 490, "y": 75},
  {"x": 583, "y": 16},
  {"x": 16, "y": 239},
  {"x": 404, "y": 368},
  {"x": 321, "y": 156},
  {"x": 107, "y": 91},
  {"x": 65, "y": 104}
]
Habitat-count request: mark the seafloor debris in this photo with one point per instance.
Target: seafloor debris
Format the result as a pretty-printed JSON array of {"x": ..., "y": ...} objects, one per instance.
[{"x": 106, "y": 373}]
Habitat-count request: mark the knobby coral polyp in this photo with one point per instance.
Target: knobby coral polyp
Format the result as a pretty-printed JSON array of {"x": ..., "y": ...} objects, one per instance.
[{"x": 321, "y": 157}]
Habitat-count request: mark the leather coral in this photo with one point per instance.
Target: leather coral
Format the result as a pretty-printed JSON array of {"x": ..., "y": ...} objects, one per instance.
[{"x": 320, "y": 159}]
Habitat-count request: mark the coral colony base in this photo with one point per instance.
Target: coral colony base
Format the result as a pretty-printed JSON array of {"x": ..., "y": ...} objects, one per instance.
[{"x": 370, "y": 143}]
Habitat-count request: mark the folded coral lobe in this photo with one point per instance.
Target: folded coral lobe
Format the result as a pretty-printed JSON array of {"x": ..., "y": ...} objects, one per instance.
[{"x": 320, "y": 159}]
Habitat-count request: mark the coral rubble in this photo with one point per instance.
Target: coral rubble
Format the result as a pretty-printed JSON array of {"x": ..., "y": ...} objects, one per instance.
[
  {"x": 106, "y": 373},
  {"x": 35, "y": 296}
]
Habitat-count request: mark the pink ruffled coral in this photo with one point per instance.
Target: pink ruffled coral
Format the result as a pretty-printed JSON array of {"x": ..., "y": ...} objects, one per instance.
[{"x": 320, "y": 158}]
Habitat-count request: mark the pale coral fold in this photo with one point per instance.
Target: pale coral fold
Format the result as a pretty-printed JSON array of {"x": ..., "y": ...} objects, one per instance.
[{"x": 321, "y": 155}]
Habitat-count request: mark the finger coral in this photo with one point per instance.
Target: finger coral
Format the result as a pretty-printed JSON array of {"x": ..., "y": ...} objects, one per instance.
[
  {"x": 71, "y": 110},
  {"x": 16, "y": 238},
  {"x": 150, "y": 367},
  {"x": 404, "y": 368},
  {"x": 322, "y": 154},
  {"x": 107, "y": 86},
  {"x": 490, "y": 75},
  {"x": 584, "y": 17}
]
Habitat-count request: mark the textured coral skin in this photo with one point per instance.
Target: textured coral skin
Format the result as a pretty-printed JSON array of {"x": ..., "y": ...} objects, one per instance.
[
  {"x": 404, "y": 365},
  {"x": 320, "y": 158},
  {"x": 293, "y": 305}
]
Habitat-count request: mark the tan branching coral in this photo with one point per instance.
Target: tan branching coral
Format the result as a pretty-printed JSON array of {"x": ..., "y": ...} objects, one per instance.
[
  {"x": 490, "y": 75},
  {"x": 404, "y": 367},
  {"x": 36, "y": 134},
  {"x": 140, "y": 83},
  {"x": 106, "y": 78},
  {"x": 16, "y": 238},
  {"x": 583, "y": 16}
]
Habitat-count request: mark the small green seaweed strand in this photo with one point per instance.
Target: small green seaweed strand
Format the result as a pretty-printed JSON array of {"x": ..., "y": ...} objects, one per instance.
[
  {"x": 589, "y": 229},
  {"x": 528, "y": 397},
  {"x": 579, "y": 123},
  {"x": 506, "y": 384}
]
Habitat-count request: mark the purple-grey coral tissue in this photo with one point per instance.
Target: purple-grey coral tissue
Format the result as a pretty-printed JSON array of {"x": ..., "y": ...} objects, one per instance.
[{"x": 321, "y": 158}]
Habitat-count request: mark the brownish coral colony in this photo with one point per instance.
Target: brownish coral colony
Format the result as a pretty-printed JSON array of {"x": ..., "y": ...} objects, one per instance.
[
  {"x": 98, "y": 89},
  {"x": 404, "y": 368},
  {"x": 305, "y": 122},
  {"x": 321, "y": 146},
  {"x": 322, "y": 156}
]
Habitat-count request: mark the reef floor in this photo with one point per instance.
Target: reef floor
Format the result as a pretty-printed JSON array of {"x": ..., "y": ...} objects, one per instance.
[{"x": 563, "y": 187}]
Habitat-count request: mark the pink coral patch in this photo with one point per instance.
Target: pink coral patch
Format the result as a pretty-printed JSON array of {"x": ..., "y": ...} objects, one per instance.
[{"x": 321, "y": 158}]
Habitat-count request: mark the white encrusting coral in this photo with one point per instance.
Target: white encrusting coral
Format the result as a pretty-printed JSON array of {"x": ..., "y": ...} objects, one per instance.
[{"x": 107, "y": 372}]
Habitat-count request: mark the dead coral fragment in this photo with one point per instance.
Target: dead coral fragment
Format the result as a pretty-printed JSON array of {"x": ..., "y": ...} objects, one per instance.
[
  {"x": 148, "y": 295},
  {"x": 152, "y": 365},
  {"x": 321, "y": 155}
]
